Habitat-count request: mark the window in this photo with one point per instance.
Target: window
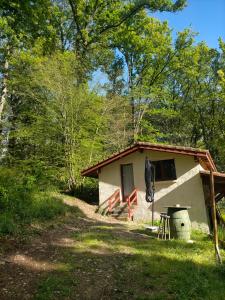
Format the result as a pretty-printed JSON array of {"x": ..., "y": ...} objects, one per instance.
[{"x": 165, "y": 170}]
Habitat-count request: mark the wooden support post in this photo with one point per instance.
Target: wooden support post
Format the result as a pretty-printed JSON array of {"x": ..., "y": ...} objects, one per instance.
[
  {"x": 153, "y": 212},
  {"x": 214, "y": 220}
]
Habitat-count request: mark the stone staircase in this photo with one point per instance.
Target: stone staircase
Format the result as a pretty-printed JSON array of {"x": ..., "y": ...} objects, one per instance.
[{"x": 120, "y": 212}]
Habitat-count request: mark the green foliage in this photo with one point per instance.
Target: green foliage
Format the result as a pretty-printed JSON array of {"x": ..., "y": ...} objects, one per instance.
[
  {"x": 177, "y": 92},
  {"x": 95, "y": 22},
  {"x": 22, "y": 200},
  {"x": 46, "y": 207},
  {"x": 7, "y": 224},
  {"x": 19, "y": 30},
  {"x": 61, "y": 126},
  {"x": 221, "y": 232},
  {"x": 88, "y": 191}
]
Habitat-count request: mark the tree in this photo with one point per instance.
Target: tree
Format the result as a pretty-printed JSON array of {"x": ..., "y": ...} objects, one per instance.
[
  {"x": 60, "y": 126},
  {"x": 189, "y": 109},
  {"x": 17, "y": 31},
  {"x": 95, "y": 21},
  {"x": 144, "y": 45}
]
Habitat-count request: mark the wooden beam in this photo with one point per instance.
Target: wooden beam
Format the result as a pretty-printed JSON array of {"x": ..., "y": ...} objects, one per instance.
[{"x": 214, "y": 220}]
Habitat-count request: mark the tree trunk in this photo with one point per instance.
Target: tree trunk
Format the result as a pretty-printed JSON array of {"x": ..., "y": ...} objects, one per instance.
[
  {"x": 129, "y": 63},
  {"x": 4, "y": 87}
]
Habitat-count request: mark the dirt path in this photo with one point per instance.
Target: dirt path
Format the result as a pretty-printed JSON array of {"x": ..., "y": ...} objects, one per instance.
[{"x": 24, "y": 264}]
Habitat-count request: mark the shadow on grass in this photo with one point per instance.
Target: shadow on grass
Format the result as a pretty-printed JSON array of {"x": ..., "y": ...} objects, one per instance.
[{"x": 99, "y": 260}]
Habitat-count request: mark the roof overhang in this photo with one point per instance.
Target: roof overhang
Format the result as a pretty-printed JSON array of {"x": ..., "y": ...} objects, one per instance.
[
  {"x": 219, "y": 180},
  {"x": 203, "y": 156}
]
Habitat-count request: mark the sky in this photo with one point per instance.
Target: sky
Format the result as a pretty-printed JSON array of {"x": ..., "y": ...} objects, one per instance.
[{"x": 207, "y": 17}]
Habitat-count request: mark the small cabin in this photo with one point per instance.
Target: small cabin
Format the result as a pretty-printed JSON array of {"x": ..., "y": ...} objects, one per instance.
[{"x": 181, "y": 177}]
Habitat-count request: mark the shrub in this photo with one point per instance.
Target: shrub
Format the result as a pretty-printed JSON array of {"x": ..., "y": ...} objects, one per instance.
[
  {"x": 45, "y": 206},
  {"x": 88, "y": 191},
  {"x": 221, "y": 233},
  {"x": 22, "y": 200},
  {"x": 7, "y": 224}
]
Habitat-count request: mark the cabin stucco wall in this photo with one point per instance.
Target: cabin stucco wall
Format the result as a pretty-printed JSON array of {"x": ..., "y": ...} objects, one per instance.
[{"x": 185, "y": 190}]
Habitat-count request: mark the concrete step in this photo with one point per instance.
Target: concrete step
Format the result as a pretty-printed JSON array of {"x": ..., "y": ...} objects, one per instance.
[
  {"x": 120, "y": 210},
  {"x": 123, "y": 208},
  {"x": 116, "y": 215},
  {"x": 120, "y": 215}
]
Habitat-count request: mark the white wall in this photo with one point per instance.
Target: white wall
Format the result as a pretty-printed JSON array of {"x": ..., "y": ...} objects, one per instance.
[{"x": 185, "y": 190}]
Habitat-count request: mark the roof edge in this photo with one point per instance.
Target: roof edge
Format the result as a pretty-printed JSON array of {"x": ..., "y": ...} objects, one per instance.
[
  {"x": 92, "y": 171},
  {"x": 110, "y": 159}
]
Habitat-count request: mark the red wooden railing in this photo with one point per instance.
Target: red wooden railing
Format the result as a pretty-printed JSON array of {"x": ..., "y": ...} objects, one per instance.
[
  {"x": 131, "y": 199},
  {"x": 113, "y": 200}
]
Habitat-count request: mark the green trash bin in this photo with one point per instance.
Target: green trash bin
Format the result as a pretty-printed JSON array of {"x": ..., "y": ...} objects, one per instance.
[{"x": 180, "y": 225}]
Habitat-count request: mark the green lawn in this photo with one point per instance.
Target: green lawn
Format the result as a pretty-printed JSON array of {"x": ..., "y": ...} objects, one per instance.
[
  {"x": 114, "y": 261},
  {"x": 221, "y": 229}
]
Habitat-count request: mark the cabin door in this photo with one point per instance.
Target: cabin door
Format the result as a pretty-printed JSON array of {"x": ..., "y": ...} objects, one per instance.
[{"x": 127, "y": 179}]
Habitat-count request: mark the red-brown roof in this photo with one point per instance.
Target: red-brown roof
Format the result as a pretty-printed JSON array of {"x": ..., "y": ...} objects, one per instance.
[{"x": 203, "y": 156}]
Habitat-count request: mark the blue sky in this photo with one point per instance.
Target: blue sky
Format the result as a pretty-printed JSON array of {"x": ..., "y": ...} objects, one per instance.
[{"x": 207, "y": 17}]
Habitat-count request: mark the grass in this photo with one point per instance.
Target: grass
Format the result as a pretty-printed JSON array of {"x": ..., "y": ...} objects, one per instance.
[
  {"x": 223, "y": 213},
  {"x": 23, "y": 200},
  {"x": 221, "y": 233},
  {"x": 55, "y": 287},
  {"x": 42, "y": 206},
  {"x": 110, "y": 262},
  {"x": 221, "y": 228}
]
